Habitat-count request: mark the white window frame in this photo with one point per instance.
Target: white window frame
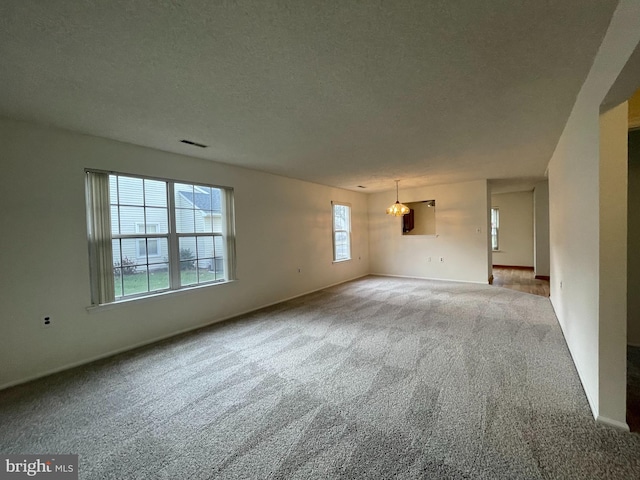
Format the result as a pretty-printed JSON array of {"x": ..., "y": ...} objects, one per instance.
[
  {"x": 100, "y": 240},
  {"x": 335, "y": 231},
  {"x": 495, "y": 229}
]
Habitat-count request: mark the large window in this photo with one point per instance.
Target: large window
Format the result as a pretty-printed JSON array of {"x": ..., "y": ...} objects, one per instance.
[
  {"x": 150, "y": 235},
  {"x": 341, "y": 231},
  {"x": 495, "y": 224}
]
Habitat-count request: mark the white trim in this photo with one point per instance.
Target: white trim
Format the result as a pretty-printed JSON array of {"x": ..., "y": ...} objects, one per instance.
[
  {"x": 613, "y": 423},
  {"x": 163, "y": 337},
  {"x": 155, "y": 294}
]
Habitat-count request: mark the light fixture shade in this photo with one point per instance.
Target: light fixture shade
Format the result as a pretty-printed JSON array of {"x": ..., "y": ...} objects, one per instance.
[{"x": 398, "y": 209}]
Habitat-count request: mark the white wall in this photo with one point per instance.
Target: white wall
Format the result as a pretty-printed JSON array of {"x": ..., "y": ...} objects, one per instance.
[
  {"x": 574, "y": 186},
  {"x": 541, "y": 229},
  {"x": 633, "y": 242},
  {"x": 282, "y": 224},
  {"x": 461, "y": 234},
  {"x": 613, "y": 262},
  {"x": 515, "y": 233}
]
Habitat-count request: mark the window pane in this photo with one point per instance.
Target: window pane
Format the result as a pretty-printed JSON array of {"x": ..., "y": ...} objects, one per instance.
[
  {"x": 115, "y": 246},
  {"x": 115, "y": 220},
  {"x": 207, "y": 275},
  {"x": 187, "y": 248},
  {"x": 188, "y": 274},
  {"x": 202, "y": 222},
  {"x": 341, "y": 246},
  {"x": 162, "y": 249},
  {"x": 216, "y": 200},
  {"x": 218, "y": 267},
  {"x": 133, "y": 252},
  {"x": 216, "y": 222},
  {"x": 151, "y": 247},
  {"x": 157, "y": 219},
  {"x": 183, "y": 195},
  {"x": 113, "y": 189},
  {"x": 205, "y": 247},
  {"x": 204, "y": 202},
  {"x": 155, "y": 193},
  {"x": 185, "y": 222},
  {"x": 137, "y": 282},
  {"x": 130, "y": 191},
  {"x": 129, "y": 217},
  {"x": 117, "y": 281},
  {"x": 339, "y": 215},
  {"x": 158, "y": 276}
]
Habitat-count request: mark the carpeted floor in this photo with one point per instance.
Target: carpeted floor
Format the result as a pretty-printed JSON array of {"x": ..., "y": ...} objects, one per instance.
[
  {"x": 633, "y": 388},
  {"x": 375, "y": 378}
]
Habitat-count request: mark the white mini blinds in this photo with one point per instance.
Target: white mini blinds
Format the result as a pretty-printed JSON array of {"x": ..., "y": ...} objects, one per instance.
[{"x": 153, "y": 235}]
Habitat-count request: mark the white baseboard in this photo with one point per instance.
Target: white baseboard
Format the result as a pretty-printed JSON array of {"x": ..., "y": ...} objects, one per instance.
[
  {"x": 162, "y": 337},
  {"x": 613, "y": 423},
  {"x": 430, "y": 278}
]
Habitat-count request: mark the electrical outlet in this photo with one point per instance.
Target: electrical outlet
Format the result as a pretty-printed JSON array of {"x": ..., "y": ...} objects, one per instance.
[
  {"x": 46, "y": 322},
  {"x": 560, "y": 284},
  {"x": 299, "y": 269},
  {"x": 441, "y": 259},
  {"x": 428, "y": 259}
]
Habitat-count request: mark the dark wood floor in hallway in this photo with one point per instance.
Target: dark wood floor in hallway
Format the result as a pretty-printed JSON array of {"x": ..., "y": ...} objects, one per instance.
[{"x": 521, "y": 279}]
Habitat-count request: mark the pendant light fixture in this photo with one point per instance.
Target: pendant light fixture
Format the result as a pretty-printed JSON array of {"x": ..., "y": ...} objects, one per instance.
[{"x": 397, "y": 209}]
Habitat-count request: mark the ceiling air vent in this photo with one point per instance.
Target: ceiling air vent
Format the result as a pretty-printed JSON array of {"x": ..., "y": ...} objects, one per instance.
[{"x": 195, "y": 144}]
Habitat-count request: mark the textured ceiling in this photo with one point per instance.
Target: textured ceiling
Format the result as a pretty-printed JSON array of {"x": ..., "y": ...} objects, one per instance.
[{"x": 341, "y": 93}]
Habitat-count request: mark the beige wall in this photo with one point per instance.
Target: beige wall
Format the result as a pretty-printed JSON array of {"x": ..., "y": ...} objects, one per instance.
[
  {"x": 461, "y": 235},
  {"x": 633, "y": 242},
  {"x": 515, "y": 235},
  {"x": 541, "y": 229},
  {"x": 613, "y": 262},
  {"x": 282, "y": 224},
  {"x": 575, "y": 230}
]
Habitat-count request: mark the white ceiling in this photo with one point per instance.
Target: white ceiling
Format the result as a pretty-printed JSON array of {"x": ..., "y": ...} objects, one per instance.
[{"x": 341, "y": 93}]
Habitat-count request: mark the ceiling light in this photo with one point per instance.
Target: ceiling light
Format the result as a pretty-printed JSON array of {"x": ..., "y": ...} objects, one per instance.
[{"x": 397, "y": 209}]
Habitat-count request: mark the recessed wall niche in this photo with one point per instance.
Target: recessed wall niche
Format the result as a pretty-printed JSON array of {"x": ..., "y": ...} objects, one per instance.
[{"x": 421, "y": 220}]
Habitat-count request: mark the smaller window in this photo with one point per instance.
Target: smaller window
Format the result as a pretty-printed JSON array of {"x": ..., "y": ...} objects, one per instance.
[
  {"x": 341, "y": 231},
  {"x": 148, "y": 245},
  {"x": 495, "y": 224}
]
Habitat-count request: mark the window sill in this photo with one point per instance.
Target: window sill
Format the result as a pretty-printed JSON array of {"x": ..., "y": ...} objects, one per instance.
[
  {"x": 152, "y": 296},
  {"x": 342, "y": 261}
]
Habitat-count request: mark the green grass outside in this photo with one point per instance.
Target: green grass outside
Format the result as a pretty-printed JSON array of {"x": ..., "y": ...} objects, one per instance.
[{"x": 136, "y": 283}]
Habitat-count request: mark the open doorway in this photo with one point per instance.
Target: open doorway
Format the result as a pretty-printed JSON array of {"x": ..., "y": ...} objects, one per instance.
[
  {"x": 520, "y": 235},
  {"x": 633, "y": 266}
]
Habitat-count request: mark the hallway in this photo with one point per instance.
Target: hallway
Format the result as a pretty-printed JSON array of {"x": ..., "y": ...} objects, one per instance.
[{"x": 521, "y": 279}]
